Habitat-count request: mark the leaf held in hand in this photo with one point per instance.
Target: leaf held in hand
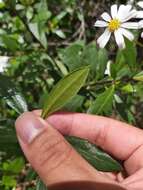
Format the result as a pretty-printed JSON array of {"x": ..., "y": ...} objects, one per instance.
[
  {"x": 65, "y": 89},
  {"x": 40, "y": 185},
  {"x": 95, "y": 156},
  {"x": 11, "y": 95}
]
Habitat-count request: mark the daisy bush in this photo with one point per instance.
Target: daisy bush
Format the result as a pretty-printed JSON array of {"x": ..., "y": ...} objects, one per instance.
[{"x": 42, "y": 41}]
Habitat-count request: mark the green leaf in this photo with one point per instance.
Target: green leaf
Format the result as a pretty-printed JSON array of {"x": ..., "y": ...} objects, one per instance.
[
  {"x": 128, "y": 88},
  {"x": 10, "y": 42},
  {"x": 130, "y": 54},
  {"x": 8, "y": 141},
  {"x": 39, "y": 33},
  {"x": 95, "y": 156},
  {"x": 40, "y": 185},
  {"x": 15, "y": 166},
  {"x": 65, "y": 89},
  {"x": 31, "y": 175},
  {"x": 38, "y": 25},
  {"x": 8, "y": 181},
  {"x": 60, "y": 33},
  {"x": 2, "y": 5},
  {"x": 71, "y": 56},
  {"x": 139, "y": 76},
  {"x": 90, "y": 57},
  {"x": 103, "y": 103},
  {"x": 18, "y": 23},
  {"x": 102, "y": 63},
  {"x": 75, "y": 104},
  {"x": 11, "y": 95},
  {"x": 27, "y": 2},
  {"x": 10, "y": 3},
  {"x": 120, "y": 68}
]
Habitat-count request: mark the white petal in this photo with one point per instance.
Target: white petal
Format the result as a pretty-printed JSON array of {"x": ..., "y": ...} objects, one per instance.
[
  {"x": 141, "y": 24},
  {"x": 127, "y": 34},
  {"x": 3, "y": 63},
  {"x": 139, "y": 14},
  {"x": 128, "y": 7},
  {"x": 129, "y": 15},
  {"x": 104, "y": 38},
  {"x": 100, "y": 23},
  {"x": 114, "y": 11},
  {"x": 121, "y": 11},
  {"x": 106, "y": 17},
  {"x": 130, "y": 25},
  {"x": 140, "y": 4},
  {"x": 142, "y": 34},
  {"x": 125, "y": 13},
  {"x": 119, "y": 39}
]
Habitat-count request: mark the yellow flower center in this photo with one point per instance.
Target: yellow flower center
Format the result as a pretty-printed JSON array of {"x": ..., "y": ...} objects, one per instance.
[{"x": 114, "y": 24}]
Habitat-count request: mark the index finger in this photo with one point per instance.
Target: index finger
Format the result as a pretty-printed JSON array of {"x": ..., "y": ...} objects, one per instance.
[{"x": 115, "y": 137}]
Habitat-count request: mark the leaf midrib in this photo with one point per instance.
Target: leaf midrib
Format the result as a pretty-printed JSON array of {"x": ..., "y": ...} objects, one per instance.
[{"x": 60, "y": 94}]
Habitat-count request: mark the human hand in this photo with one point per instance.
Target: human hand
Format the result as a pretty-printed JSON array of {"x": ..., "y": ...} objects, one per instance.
[{"x": 61, "y": 167}]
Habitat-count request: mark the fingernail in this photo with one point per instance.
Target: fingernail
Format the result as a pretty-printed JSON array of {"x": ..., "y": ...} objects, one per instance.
[{"x": 29, "y": 126}]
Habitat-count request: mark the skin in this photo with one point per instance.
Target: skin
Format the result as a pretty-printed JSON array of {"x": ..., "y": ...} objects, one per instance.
[{"x": 61, "y": 167}]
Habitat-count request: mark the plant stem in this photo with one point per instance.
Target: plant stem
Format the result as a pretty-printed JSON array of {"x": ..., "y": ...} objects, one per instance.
[
  {"x": 95, "y": 83},
  {"x": 139, "y": 43}
]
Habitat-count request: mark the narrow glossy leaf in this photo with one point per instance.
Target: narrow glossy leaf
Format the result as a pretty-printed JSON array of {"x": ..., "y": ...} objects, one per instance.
[
  {"x": 103, "y": 103},
  {"x": 11, "y": 95},
  {"x": 65, "y": 89},
  {"x": 139, "y": 76},
  {"x": 40, "y": 185},
  {"x": 95, "y": 156}
]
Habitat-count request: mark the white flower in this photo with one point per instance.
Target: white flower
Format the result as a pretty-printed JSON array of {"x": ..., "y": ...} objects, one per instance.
[
  {"x": 140, "y": 13},
  {"x": 3, "y": 63},
  {"x": 140, "y": 4},
  {"x": 117, "y": 24}
]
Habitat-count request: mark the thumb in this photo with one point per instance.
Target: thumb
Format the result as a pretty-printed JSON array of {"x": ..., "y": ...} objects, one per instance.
[{"x": 50, "y": 155}]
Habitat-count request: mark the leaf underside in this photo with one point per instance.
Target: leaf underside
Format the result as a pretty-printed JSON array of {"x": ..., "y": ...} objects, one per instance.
[{"x": 94, "y": 155}]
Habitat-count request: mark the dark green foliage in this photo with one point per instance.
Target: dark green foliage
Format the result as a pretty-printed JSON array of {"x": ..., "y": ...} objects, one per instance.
[{"x": 46, "y": 40}]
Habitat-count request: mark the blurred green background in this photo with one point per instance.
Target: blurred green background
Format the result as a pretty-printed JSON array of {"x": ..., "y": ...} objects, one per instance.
[{"x": 46, "y": 39}]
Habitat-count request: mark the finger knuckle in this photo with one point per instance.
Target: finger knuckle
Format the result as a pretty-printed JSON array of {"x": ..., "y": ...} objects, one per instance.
[{"x": 102, "y": 136}]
